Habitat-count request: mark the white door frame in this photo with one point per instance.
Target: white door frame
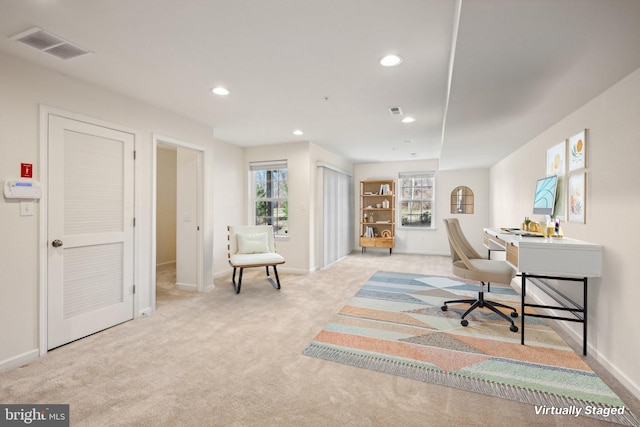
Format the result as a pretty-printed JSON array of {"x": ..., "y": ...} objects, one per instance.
[
  {"x": 43, "y": 234},
  {"x": 201, "y": 218}
]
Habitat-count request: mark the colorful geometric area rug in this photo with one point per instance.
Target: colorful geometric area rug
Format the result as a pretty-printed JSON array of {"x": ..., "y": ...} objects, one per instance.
[{"x": 394, "y": 324}]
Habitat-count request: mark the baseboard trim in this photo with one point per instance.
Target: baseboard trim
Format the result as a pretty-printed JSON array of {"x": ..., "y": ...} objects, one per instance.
[
  {"x": 145, "y": 312},
  {"x": 397, "y": 250},
  {"x": 292, "y": 270},
  {"x": 222, "y": 273},
  {"x": 19, "y": 360},
  {"x": 165, "y": 264},
  {"x": 281, "y": 269},
  {"x": 187, "y": 287}
]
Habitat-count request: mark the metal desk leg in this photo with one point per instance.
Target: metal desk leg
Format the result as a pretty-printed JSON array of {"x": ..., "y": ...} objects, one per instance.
[
  {"x": 584, "y": 324},
  {"x": 524, "y": 292}
]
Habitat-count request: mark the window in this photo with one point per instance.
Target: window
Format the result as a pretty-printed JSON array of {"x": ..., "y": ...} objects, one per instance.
[
  {"x": 416, "y": 199},
  {"x": 270, "y": 188}
]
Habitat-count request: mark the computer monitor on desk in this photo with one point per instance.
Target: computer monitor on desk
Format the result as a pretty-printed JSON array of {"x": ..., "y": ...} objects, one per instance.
[{"x": 545, "y": 196}]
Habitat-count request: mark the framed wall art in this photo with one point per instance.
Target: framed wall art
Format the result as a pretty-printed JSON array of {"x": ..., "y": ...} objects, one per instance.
[
  {"x": 577, "y": 198},
  {"x": 578, "y": 151},
  {"x": 556, "y": 165}
]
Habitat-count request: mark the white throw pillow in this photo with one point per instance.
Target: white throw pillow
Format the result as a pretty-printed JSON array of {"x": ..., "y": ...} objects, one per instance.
[{"x": 252, "y": 243}]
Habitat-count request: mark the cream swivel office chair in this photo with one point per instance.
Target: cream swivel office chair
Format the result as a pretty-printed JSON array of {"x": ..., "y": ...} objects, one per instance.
[{"x": 468, "y": 264}]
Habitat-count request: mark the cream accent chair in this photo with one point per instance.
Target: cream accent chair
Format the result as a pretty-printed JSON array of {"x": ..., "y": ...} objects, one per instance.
[
  {"x": 253, "y": 246},
  {"x": 468, "y": 264}
]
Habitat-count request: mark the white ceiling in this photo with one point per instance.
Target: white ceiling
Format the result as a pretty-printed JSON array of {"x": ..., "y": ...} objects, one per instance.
[{"x": 518, "y": 66}]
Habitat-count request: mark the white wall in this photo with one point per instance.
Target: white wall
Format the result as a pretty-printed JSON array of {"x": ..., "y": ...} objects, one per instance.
[
  {"x": 472, "y": 224},
  {"x": 299, "y": 248},
  {"x": 166, "y": 207},
  {"x": 432, "y": 241},
  {"x": 295, "y": 247},
  {"x": 24, "y": 87},
  {"x": 229, "y": 199},
  {"x": 187, "y": 220},
  {"x": 612, "y": 209}
]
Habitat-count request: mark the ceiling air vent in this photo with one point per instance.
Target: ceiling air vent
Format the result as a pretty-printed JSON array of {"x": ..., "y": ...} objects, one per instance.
[
  {"x": 49, "y": 43},
  {"x": 395, "y": 111}
]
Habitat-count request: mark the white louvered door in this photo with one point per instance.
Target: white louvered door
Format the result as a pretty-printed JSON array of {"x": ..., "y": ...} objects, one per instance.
[{"x": 90, "y": 229}]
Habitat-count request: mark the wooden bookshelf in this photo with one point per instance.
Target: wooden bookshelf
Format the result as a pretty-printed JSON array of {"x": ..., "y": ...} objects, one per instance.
[{"x": 377, "y": 214}]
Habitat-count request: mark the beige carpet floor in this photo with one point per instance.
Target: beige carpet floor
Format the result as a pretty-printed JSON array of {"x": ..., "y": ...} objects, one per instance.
[{"x": 221, "y": 359}]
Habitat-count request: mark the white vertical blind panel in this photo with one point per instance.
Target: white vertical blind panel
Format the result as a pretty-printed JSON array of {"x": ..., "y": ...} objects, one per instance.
[
  {"x": 337, "y": 215},
  {"x": 93, "y": 184},
  {"x": 92, "y": 278}
]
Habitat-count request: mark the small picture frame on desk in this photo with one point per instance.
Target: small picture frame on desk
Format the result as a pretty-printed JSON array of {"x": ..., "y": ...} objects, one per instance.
[{"x": 577, "y": 198}]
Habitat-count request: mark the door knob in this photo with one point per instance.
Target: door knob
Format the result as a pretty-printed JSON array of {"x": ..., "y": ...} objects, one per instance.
[{"x": 56, "y": 243}]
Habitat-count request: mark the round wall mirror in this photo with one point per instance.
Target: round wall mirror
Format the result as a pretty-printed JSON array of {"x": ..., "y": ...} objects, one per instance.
[{"x": 462, "y": 200}]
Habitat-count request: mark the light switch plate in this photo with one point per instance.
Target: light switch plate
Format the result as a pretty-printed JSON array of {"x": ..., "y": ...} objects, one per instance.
[{"x": 26, "y": 208}]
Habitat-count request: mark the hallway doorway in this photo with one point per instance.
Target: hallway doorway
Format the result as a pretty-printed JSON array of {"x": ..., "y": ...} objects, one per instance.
[{"x": 178, "y": 216}]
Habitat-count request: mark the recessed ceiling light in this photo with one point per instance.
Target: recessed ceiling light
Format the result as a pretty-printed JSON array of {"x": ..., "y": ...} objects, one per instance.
[
  {"x": 298, "y": 132},
  {"x": 408, "y": 120},
  {"x": 220, "y": 91},
  {"x": 391, "y": 60},
  {"x": 407, "y": 141}
]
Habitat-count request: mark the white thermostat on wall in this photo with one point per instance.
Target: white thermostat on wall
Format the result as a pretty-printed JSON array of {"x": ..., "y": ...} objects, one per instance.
[{"x": 22, "y": 189}]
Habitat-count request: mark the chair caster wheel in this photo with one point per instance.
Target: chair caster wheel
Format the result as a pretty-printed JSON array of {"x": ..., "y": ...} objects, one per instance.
[
  {"x": 514, "y": 314},
  {"x": 444, "y": 308},
  {"x": 464, "y": 322},
  {"x": 513, "y": 328}
]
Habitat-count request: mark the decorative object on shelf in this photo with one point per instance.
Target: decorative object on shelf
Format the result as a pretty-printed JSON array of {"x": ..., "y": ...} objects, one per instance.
[
  {"x": 557, "y": 230},
  {"x": 385, "y": 189},
  {"x": 377, "y": 214}
]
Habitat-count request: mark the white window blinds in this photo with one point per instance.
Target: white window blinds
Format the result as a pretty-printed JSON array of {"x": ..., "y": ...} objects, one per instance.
[{"x": 337, "y": 215}]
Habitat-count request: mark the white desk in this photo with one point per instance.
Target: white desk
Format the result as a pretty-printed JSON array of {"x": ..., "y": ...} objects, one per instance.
[{"x": 541, "y": 258}]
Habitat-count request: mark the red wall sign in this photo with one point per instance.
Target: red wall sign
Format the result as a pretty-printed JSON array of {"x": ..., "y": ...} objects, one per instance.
[{"x": 26, "y": 170}]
